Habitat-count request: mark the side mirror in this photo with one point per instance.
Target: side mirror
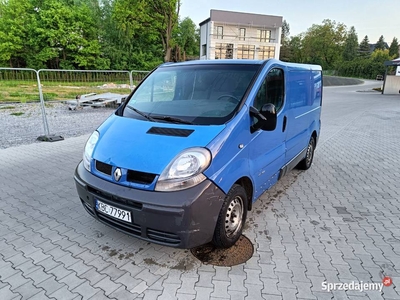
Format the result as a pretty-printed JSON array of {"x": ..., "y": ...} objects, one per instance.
[
  {"x": 269, "y": 112},
  {"x": 266, "y": 118}
]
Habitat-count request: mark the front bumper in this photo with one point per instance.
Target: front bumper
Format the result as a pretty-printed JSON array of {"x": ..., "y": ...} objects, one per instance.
[{"x": 182, "y": 219}]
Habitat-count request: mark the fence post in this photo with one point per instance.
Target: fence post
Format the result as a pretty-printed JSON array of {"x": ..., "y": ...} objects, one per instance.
[
  {"x": 42, "y": 106},
  {"x": 130, "y": 80},
  {"x": 47, "y": 137}
]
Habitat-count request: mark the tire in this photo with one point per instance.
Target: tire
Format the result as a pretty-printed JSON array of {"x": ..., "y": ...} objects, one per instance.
[
  {"x": 231, "y": 218},
  {"x": 306, "y": 163}
]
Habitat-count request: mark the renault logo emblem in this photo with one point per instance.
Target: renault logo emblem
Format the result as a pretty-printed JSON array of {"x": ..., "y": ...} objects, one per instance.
[{"x": 117, "y": 174}]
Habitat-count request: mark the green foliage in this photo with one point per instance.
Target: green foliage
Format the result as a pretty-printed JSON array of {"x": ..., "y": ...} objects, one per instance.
[
  {"x": 394, "y": 48},
  {"x": 323, "y": 44},
  {"x": 364, "y": 47},
  {"x": 148, "y": 19},
  {"x": 330, "y": 46},
  {"x": 92, "y": 34},
  {"x": 351, "y": 45},
  {"x": 17, "y": 114},
  {"x": 16, "y": 23},
  {"x": 380, "y": 45},
  {"x": 285, "y": 51},
  {"x": 365, "y": 67},
  {"x": 187, "y": 37},
  {"x": 296, "y": 49}
]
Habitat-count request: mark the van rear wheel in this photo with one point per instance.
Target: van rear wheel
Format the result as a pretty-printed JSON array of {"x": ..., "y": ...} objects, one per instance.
[
  {"x": 306, "y": 163},
  {"x": 231, "y": 218}
]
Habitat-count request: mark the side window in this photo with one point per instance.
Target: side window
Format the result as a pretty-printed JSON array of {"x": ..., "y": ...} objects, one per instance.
[{"x": 272, "y": 90}]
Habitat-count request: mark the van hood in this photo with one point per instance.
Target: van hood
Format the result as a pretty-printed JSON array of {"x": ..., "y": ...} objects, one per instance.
[{"x": 148, "y": 146}]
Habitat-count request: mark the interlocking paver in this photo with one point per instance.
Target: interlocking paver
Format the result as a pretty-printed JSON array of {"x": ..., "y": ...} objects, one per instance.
[
  {"x": 188, "y": 284},
  {"x": 107, "y": 285},
  {"x": 7, "y": 293},
  {"x": 27, "y": 290},
  {"x": 203, "y": 293},
  {"x": 336, "y": 222},
  {"x": 50, "y": 285},
  {"x": 123, "y": 293},
  {"x": 86, "y": 290},
  {"x": 64, "y": 294}
]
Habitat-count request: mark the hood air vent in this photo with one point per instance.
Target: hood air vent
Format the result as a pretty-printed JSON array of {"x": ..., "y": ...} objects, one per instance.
[{"x": 170, "y": 131}]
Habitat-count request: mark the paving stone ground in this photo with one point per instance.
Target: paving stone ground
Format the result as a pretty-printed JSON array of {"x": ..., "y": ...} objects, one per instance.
[{"x": 338, "y": 222}]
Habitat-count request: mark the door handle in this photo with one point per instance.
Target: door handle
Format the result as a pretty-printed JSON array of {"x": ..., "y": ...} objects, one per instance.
[{"x": 284, "y": 124}]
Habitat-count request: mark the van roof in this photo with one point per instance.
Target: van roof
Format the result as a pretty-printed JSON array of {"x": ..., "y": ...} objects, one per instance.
[
  {"x": 216, "y": 61},
  {"x": 291, "y": 66}
]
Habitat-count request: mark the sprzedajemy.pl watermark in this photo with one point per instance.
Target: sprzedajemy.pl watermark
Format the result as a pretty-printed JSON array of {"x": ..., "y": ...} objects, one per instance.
[{"x": 356, "y": 285}]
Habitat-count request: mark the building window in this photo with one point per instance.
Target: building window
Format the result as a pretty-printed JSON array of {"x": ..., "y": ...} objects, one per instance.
[
  {"x": 220, "y": 32},
  {"x": 264, "y": 35},
  {"x": 266, "y": 52},
  {"x": 204, "y": 49},
  {"x": 223, "y": 51},
  {"x": 242, "y": 34},
  {"x": 245, "y": 51}
]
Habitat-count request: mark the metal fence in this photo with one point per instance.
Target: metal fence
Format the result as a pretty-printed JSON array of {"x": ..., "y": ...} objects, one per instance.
[{"x": 42, "y": 87}]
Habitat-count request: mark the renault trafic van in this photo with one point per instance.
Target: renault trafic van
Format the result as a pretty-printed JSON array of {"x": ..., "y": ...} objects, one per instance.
[{"x": 182, "y": 160}]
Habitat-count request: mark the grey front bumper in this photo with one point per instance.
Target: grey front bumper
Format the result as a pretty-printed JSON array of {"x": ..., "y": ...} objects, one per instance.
[{"x": 182, "y": 219}]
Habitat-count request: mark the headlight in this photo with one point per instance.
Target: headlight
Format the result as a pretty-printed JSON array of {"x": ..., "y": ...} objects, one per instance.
[
  {"x": 184, "y": 171},
  {"x": 87, "y": 154}
]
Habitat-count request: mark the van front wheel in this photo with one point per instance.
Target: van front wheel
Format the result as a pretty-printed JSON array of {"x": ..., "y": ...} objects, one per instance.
[
  {"x": 305, "y": 164},
  {"x": 231, "y": 218}
]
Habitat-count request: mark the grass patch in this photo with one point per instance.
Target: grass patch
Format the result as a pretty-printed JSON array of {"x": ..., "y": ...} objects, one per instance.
[
  {"x": 19, "y": 113},
  {"x": 7, "y": 107},
  {"x": 26, "y": 91}
]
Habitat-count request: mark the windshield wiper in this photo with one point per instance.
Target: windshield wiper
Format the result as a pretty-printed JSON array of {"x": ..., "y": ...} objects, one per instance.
[
  {"x": 142, "y": 114},
  {"x": 172, "y": 120}
]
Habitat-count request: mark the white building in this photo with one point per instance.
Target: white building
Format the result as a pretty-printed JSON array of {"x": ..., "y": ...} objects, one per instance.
[{"x": 227, "y": 34}]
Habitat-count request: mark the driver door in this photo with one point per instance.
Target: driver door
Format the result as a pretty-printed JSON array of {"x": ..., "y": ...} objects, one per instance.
[{"x": 267, "y": 151}]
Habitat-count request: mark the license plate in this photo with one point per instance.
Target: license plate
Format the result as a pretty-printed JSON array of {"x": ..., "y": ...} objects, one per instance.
[{"x": 113, "y": 211}]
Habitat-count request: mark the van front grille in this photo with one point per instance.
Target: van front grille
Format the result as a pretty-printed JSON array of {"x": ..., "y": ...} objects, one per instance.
[
  {"x": 129, "y": 228},
  {"x": 164, "y": 237},
  {"x": 140, "y": 177},
  {"x": 112, "y": 198},
  {"x": 103, "y": 168}
]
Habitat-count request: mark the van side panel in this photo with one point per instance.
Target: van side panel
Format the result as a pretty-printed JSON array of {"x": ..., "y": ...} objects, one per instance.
[
  {"x": 304, "y": 102},
  {"x": 230, "y": 160}
]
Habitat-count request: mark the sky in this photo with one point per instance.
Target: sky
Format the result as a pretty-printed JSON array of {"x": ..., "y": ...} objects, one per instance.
[{"x": 369, "y": 17}]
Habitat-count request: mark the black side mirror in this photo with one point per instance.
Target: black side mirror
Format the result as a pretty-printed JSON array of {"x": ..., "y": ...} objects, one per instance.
[
  {"x": 266, "y": 118},
  {"x": 269, "y": 112}
]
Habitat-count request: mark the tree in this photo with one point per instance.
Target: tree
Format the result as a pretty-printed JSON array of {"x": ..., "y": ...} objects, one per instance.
[
  {"x": 380, "y": 45},
  {"x": 152, "y": 17},
  {"x": 364, "y": 49},
  {"x": 296, "y": 49},
  {"x": 186, "y": 36},
  {"x": 166, "y": 13},
  {"x": 16, "y": 25},
  {"x": 350, "y": 45},
  {"x": 66, "y": 36},
  {"x": 285, "y": 51},
  {"x": 394, "y": 48},
  {"x": 323, "y": 44}
]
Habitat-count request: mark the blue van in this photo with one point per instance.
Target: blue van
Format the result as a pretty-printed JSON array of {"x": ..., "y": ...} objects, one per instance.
[{"x": 182, "y": 160}]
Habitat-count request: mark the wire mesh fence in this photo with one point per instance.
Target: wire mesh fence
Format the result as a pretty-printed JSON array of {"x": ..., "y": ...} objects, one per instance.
[
  {"x": 33, "y": 103},
  {"x": 72, "y": 84},
  {"x": 16, "y": 86}
]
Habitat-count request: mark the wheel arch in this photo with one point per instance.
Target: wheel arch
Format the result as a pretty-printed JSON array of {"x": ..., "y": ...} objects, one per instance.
[
  {"x": 315, "y": 136},
  {"x": 247, "y": 184}
]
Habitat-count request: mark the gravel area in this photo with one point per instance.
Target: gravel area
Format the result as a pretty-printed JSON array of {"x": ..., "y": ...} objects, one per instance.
[{"x": 23, "y": 123}]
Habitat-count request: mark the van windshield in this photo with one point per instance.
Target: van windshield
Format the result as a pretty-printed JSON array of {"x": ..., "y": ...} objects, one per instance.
[{"x": 195, "y": 94}]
